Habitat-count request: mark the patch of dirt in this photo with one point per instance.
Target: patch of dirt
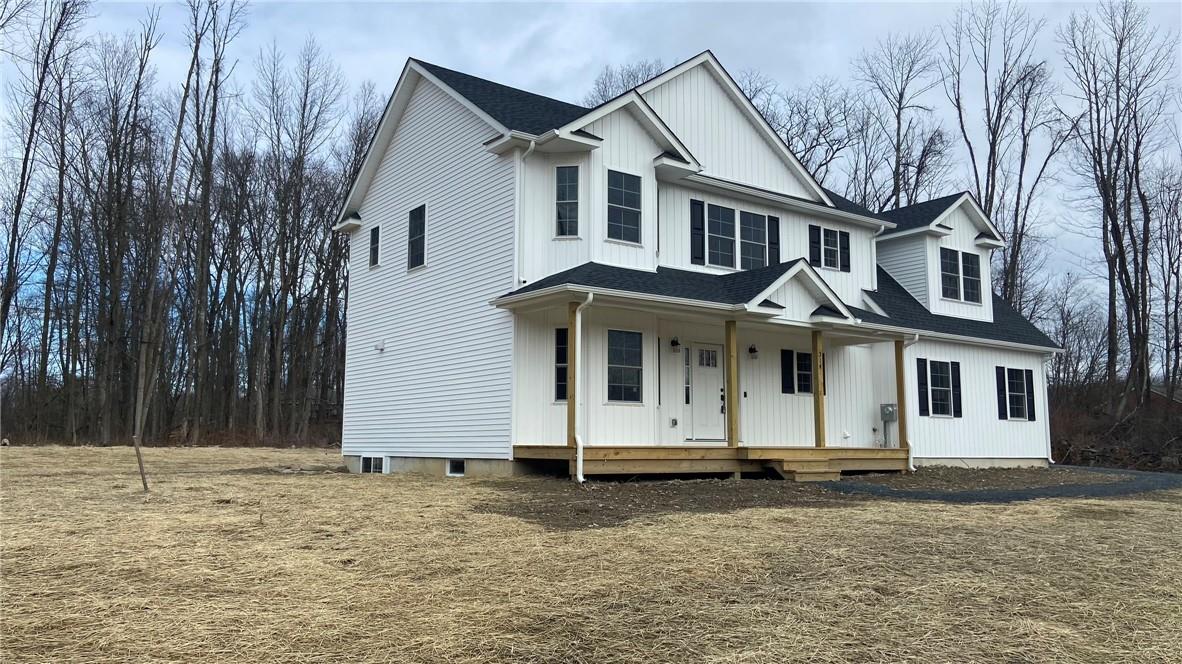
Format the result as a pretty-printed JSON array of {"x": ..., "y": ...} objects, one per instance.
[
  {"x": 941, "y": 478},
  {"x": 565, "y": 505}
]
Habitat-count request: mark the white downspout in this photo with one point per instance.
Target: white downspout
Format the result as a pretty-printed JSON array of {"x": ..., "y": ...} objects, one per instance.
[
  {"x": 910, "y": 449},
  {"x": 519, "y": 279},
  {"x": 580, "y": 385}
]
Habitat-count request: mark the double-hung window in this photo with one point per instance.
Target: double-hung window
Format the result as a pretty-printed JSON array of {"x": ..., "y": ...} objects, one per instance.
[
  {"x": 566, "y": 197},
  {"x": 720, "y": 235},
  {"x": 941, "y": 388},
  {"x": 624, "y": 365},
  {"x": 796, "y": 372},
  {"x": 950, "y": 273},
  {"x": 623, "y": 207},
  {"x": 830, "y": 250},
  {"x": 1016, "y": 392},
  {"x": 374, "y": 245},
  {"x": 752, "y": 240},
  {"x": 960, "y": 275},
  {"x": 561, "y": 363},
  {"x": 416, "y": 241}
]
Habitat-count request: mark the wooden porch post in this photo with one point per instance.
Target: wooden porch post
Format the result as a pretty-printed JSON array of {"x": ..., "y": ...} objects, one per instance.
[
  {"x": 572, "y": 383},
  {"x": 818, "y": 389},
  {"x": 732, "y": 383},
  {"x": 901, "y": 395}
]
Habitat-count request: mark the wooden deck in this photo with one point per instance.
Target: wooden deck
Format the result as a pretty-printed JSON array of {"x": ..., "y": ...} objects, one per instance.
[{"x": 799, "y": 463}]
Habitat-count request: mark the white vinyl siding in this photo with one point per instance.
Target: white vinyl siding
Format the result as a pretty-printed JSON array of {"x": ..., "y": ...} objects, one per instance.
[
  {"x": 440, "y": 383},
  {"x": 906, "y": 260}
]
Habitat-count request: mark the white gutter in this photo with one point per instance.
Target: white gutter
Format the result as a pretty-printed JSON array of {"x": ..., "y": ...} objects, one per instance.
[{"x": 578, "y": 341}]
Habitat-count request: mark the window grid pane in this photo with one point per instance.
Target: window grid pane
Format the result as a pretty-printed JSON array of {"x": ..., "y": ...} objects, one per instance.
[
  {"x": 720, "y": 233},
  {"x": 374, "y": 244},
  {"x": 566, "y": 198},
  {"x": 417, "y": 237},
  {"x": 830, "y": 249},
  {"x": 971, "y": 264},
  {"x": 623, "y": 206},
  {"x": 950, "y": 273},
  {"x": 941, "y": 387},
  {"x": 753, "y": 240},
  {"x": 624, "y": 365},
  {"x": 1016, "y": 389},
  {"x": 560, "y": 363},
  {"x": 804, "y": 372}
]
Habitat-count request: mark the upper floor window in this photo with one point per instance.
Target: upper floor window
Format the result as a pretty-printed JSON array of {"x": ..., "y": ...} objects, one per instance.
[
  {"x": 374, "y": 244},
  {"x": 720, "y": 236},
  {"x": 752, "y": 240},
  {"x": 566, "y": 196},
  {"x": 624, "y": 365},
  {"x": 416, "y": 241},
  {"x": 960, "y": 275},
  {"x": 623, "y": 206},
  {"x": 829, "y": 248}
]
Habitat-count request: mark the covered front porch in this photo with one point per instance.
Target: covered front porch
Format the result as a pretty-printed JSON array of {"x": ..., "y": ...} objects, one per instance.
[{"x": 636, "y": 384}]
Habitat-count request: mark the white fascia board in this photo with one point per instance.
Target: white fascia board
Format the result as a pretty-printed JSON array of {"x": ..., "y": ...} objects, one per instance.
[
  {"x": 922, "y": 230},
  {"x": 728, "y": 83},
  {"x": 975, "y": 211},
  {"x": 758, "y": 195},
  {"x": 347, "y": 225}
]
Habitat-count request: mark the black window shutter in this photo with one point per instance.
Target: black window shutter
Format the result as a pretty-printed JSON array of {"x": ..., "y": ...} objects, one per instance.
[
  {"x": 956, "y": 403},
  {"x": 921, "y": 375},
  {"x": 773, "y": 240},
  {"x": 1030, "y": 395},
  {"x": 815, "y": 246},
  {"x": 844, "y": 250},
  {"x": 697, "y": 232},
  {"x": 787, "y": 371},
  {"x": 1003, "y": 411}
]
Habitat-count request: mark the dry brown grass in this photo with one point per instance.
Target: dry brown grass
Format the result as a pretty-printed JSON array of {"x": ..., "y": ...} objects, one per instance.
[{"x": 228, "y": 560}]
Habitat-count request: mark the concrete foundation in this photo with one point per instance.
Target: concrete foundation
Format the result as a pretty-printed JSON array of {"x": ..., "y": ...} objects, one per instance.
[
  {"x": 477, "y": 468},
  {"x": 980, "y": 463}
]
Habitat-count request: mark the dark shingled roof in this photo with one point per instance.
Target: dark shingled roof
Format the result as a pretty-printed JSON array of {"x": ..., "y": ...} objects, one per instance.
[
  {"x": 733, "y": 288},
  {"x": 516, "y": 109},
  {"x": 846, "y": 205},
  {"x": 903, "y": 310},
  {"x": 920, "y": 214}
]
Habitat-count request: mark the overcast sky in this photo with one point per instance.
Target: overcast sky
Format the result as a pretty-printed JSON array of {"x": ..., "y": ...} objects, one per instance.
[{"x": 557, "y": 49}]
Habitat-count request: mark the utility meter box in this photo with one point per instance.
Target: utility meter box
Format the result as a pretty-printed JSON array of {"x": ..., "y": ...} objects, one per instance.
[{"x": 889, "y": 412}]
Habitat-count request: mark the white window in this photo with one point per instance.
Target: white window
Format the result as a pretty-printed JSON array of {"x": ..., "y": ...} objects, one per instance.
[
  {"x": 960, "y": 275},
  {"x": 1016, "y": 393},
  {"x": 455, "y": 467},
  {"x": 831, "y": 249},
  {"x": 720, "y": 236},
  {"x": 941, "y": 387},
  {"x": 374, "y": 246},
  {"x": 752, "y": 240},
  {"x": 624, "y": 365},
  {"x": 373, "y": 464},
  {"x": 623, "y": 207},
  {"x": 416, "y": 240},
  {"x": 561, "y": 362},
  {"x": 566, "y": 197}
]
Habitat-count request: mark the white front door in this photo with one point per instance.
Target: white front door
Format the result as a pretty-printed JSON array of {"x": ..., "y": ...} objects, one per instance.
[{"x": 707, "y": 394}]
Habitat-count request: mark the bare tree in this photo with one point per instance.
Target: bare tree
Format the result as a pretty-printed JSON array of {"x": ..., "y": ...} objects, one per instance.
[
  {"x": 614, "y": 80},
  {"x": 1011, "y": 130},
  {"x": 898, "y": 72},
  {"x": 1120, "y": 67}
]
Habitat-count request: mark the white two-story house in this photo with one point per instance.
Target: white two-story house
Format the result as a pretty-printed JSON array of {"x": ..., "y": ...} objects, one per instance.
[{"x": 656, "y": 285}]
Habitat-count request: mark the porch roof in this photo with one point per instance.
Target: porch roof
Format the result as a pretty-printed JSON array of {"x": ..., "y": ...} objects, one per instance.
[{"x": 734, "y": 288}]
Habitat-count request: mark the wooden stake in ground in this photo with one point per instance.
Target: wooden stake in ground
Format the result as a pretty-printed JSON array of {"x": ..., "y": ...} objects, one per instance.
[{"x": 139, "y": 458}]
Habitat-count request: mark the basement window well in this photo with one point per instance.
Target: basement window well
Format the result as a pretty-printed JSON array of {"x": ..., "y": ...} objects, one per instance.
[
  {"x": 372, "y": 464},
  {"x": 455, "y": 467}
]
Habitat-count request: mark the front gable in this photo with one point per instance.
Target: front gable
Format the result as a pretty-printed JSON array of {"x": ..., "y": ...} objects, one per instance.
[
  {"x": 703, "y": 106},
  {"x": 803, "y": 296}
]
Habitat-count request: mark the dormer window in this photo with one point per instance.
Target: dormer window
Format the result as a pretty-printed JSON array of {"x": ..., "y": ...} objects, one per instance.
[{"x": 960, "y": 275}]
